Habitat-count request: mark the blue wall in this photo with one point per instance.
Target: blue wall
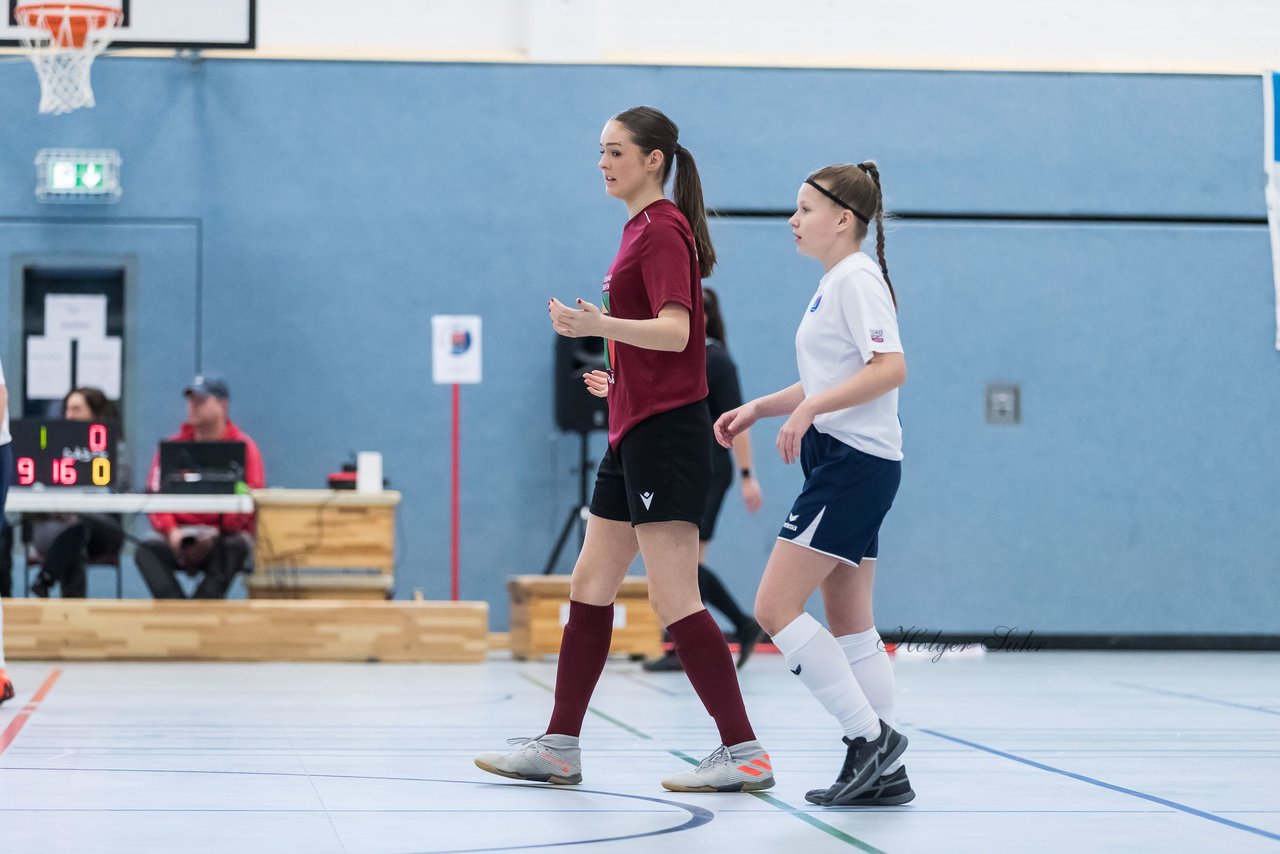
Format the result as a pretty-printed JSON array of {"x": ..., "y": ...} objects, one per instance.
[{"x": 313, "y": 216}]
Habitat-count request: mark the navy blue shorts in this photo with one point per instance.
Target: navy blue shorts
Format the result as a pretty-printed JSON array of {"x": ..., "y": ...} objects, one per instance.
[
  {"x": 6, "y": 466},
  {"x": 845, "y": 498}
]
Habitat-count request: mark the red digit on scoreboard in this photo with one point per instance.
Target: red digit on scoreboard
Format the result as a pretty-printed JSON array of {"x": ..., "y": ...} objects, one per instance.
[
  {"x": 64, "y": 471},
  {"x": 26, "y": 471},
  {"x": 98, "y": 438}
]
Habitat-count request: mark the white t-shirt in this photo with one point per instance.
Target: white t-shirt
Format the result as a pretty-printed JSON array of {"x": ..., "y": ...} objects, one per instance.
[
  {"x": 849, "y": 319},
  {"x": 5, "y": 438}
]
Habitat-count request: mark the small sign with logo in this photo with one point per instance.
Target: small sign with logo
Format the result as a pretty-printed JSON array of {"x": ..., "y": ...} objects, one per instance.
[{"x": 455, "y": 349}]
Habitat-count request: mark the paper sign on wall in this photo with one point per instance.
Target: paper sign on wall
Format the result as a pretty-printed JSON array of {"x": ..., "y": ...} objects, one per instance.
[
  {"x": 455, "y": 349},
  {"x": 48, "y": 367},
  {"x": 98, "y": 364},
  {"x": 81, "y": 316}
]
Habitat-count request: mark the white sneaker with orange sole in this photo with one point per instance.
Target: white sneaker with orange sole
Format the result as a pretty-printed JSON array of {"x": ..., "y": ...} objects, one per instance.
[
  {"x": 546, "y": 759},
  {"x": 743, "y": 767}
]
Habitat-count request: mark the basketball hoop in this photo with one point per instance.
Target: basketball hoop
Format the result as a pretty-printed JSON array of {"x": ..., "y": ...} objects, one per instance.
[{"x": 62, "y": 40}]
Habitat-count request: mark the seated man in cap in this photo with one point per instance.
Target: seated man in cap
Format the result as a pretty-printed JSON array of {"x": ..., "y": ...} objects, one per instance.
[{"x": 216, "y": 544}]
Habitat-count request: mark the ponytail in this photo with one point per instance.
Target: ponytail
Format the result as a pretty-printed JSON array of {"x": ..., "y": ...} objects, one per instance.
[
  {"x": 689, "y": 200},
  {"x": 849, "y": 188},
  {"x": 870, "y": 168},
  {"x": 651, "y": 130}
]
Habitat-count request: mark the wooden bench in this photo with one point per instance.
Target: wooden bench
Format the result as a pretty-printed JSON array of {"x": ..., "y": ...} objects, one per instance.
[
  {"x": 267, "y": 630},
  {"x": 540, "y": 608}
]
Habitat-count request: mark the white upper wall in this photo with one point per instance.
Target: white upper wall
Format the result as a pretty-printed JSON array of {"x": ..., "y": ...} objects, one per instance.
[
  {"x": 1069, "y": 35},
  {"x": 1229, "y": 36}
]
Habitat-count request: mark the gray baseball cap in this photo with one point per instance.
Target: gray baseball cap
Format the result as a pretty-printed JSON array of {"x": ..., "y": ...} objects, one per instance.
[{"x": 208, "y": 385}]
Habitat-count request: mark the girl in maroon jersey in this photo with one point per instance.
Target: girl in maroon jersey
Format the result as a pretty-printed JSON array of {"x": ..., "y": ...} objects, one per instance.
[{"x": 652, "y": 484}]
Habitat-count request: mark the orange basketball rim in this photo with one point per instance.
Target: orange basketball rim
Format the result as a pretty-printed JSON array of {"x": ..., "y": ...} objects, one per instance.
[{"x": 68, "y": 24}]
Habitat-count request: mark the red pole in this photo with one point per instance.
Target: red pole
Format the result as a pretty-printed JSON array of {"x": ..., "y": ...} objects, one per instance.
[{"x": 453, "y": 522}]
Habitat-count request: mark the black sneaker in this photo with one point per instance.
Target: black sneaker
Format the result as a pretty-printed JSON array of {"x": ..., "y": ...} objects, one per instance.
[
  {"x": 889, "y": 790},
  {"x": 862, "y": 763},
  {"x": 749, "y": 634},
  {"x": 668, "y": 663},
  {"x": 42, "y": 584}
]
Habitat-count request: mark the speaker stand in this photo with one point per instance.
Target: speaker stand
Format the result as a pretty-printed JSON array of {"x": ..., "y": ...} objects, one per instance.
[{"x": 577, "y": 514}]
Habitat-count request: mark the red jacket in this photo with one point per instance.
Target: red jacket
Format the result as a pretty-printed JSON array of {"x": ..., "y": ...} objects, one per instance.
[{"x": 253, "y": 475}]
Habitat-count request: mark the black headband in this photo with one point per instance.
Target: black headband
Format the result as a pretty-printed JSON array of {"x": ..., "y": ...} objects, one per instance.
[{"x": 841, "y": 202}]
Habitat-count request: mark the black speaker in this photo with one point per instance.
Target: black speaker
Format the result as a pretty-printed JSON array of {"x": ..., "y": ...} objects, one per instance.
[{"x": 578, "y": 410}]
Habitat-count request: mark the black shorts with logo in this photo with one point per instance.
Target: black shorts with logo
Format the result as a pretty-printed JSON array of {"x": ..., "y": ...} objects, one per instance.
[
  {"x": 721, "y": 480},
  {"x": 661, "y": 470}
]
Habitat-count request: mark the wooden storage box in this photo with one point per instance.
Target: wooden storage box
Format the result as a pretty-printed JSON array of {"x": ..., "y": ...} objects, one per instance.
[
  {"x": 540, "y": 607},
  {"x": 215, "y": 630},
  {"x": 323, "y": 544}
]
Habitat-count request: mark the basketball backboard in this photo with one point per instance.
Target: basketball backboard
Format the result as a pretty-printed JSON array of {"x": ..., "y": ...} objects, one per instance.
[{"x": 170, "y": 24}]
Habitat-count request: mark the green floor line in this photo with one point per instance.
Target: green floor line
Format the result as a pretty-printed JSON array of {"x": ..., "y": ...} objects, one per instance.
[
  {"x": 637, "y": 733},
  {"x": 833, "y": 832}
]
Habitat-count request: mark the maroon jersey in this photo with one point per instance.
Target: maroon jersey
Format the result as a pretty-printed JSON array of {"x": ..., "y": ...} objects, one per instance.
[{"x": 656, "y": 264}]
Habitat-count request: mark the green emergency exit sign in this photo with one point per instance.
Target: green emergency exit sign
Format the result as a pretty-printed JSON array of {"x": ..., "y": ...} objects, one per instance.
[{"x": 78, "y": 175}]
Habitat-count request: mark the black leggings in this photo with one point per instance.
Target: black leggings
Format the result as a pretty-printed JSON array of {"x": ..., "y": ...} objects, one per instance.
[
  {"x": 90, "y": 536},
  {"x": 715, "y": 594}
]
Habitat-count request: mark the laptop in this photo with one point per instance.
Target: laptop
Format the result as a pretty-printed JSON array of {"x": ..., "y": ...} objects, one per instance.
[{"x": 203, "y": 468}]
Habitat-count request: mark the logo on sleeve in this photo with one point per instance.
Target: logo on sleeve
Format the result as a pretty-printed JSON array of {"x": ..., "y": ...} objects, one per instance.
[
  {"x": 877, "y": 335},
  {"x": 817, "y": 302}
]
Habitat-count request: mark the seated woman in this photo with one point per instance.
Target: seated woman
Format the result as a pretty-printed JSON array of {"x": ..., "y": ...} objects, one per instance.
[{"x": 64, "y": 543}]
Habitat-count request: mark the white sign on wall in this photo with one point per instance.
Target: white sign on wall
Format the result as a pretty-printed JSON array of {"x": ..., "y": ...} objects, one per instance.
[
  {"x": 455, "y": 349},
  {"x": 48, "y": 367},
  {"x": 81, "y": 316},
  {"x": 98, "y": 364}
]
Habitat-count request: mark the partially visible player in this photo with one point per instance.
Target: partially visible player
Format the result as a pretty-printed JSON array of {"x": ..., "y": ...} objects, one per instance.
[
  {"x": 724, "y": 393},
  {"x": 6, "y": 467}
]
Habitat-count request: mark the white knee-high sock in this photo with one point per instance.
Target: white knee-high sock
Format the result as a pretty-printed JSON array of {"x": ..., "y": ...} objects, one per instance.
[
  {"x": 870, "y": 665},
  {"x": 813, "y": 655}
]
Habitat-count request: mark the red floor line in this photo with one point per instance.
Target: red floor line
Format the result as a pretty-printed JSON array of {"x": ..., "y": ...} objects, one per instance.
[
  {"x": 11, "y": 731},
  {"x": 20, "y": 720},
  {"x": 46, "y": 687}
]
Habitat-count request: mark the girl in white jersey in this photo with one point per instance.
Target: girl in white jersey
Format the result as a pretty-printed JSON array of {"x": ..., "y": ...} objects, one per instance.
[{"x": 843, "y": 427}]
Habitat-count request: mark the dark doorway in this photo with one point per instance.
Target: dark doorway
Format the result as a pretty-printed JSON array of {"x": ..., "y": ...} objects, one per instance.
[{"x": 39, "y": 283}]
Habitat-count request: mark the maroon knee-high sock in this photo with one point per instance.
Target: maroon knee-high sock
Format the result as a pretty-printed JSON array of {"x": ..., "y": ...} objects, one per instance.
[
  {"x": 583, "y": 650},
  {"x": 706, "y": 659}
]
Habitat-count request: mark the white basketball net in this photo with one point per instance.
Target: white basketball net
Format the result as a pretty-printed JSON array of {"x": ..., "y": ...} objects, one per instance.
[{"x": 62, "y": 41}]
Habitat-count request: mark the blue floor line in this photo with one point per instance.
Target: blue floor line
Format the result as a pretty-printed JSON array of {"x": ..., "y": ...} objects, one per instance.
[
  {"x": 1121, "y": 789},
  {"x": 698, "y": 816},
  {"x": 1200, "y": 697}
]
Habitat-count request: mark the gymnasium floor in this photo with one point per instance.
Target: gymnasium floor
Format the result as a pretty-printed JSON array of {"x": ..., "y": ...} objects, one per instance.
[{"x": 1026, "y": 751}]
